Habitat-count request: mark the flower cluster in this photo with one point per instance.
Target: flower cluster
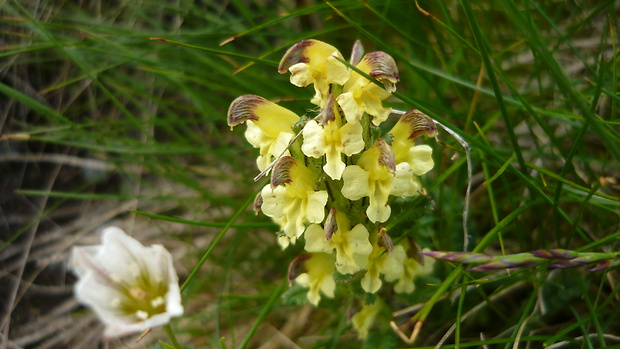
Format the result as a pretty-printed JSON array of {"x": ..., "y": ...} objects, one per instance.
[{"x": 333, "y": 175}]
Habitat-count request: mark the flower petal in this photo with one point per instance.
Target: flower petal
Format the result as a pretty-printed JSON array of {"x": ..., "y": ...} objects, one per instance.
[
  {"x": 314, "y": 140},
  {"x": 315, "y": 240},
  {"x": 274, "y": 201},
  {"x": 352, "y": 107},
  {"x": 404, "y": 183},
  {"x": 421, "y": 159},
  {"x": 352, "y": 138},
  {"x": 355, "y": 183},
  {"x": 315, "y": 209},
  {"x": 131, "y": 287}
]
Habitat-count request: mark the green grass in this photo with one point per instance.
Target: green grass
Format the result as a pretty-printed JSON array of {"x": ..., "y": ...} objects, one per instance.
[{"x": 101, "y": 125}]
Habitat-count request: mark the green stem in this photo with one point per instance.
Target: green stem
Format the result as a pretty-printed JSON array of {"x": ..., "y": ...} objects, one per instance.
[
  {"x": 219, "y": 237},
  {"x": 172, "y": 337},
  {"x": 272, "y": 300}
]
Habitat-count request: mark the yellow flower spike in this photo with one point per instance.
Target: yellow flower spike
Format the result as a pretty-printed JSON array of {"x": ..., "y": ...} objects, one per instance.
[
  {"x": 332, "y": 139},
  {"x": 352, "y": 245},
  {"x": 361, "y": 95},
  {"x": 372, "y": 176},
  {"x": 319, "y": 276},
  {"x": 390, "y": 265},
  {"x": 296, "y": 202},
  {"x": 314, "y": 62},
  {"x": 269, "y": 126},
  {"x": 364, "y": 319}
]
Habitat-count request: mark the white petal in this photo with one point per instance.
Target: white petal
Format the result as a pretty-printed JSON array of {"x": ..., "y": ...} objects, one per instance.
[
  {"x": 404, "y": 183},
  {"x": 301, "y": 75},
  {"x": 371, "y": 282},
  {"x": 255, "y": 135},
  {"x": 421, "y": 159},
  {"x": 378, "y": 211},
  {"x": 334, "y": 166},
  {"x": 353, "y": 111},
  {"x": 393, "y": 267},
  {"x": 355, "y": 183},
  {"x": 123, "y": 263},
  {"x": 352, "y": 138},
  {"x": 337, "y": 71},
  {"x": 314, "y": 140},
  {"x": 274, "y": 201},
  {"x": 315, "y": 209},
  {"x": 315, "y": 239},
  {"x": 278, "y": 145}
]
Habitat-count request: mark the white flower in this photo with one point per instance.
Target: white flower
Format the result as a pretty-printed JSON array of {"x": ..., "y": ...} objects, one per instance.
[{"x": 131, "y": 287}]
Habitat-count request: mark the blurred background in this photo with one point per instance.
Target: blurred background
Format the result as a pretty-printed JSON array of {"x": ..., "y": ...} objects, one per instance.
[{"x": 101, "y": 125}]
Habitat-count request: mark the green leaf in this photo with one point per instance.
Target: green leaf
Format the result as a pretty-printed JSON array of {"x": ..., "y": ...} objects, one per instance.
[{"x": 295, "y": 296}]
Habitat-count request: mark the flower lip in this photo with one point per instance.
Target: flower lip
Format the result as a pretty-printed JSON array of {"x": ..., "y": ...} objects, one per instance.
[
  {"x": 297, "y": 266},
  {"x": 243, "y": 109},
  {"x": 294, "y": 55},
  {"x": 420, "y": 124},
  {"x": 281, "y": 172},
  {"x": 383, "y": 68},
  {"x": 386, "y": 156}
]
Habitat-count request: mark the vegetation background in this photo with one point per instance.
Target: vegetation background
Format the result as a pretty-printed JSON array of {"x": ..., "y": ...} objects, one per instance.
[{"x": 100, "y": 125}]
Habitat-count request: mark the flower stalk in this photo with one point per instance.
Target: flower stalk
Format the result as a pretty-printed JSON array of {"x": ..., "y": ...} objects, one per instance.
[{"x": 553, "y": 258}]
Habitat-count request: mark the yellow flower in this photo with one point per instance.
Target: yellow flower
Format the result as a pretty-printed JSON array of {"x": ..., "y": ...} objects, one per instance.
[
  {"x": 352, "y": 245},
  {"x": 332, "y": 139},
  {"x": 319, "y": 277},
  {"x": 388, "y": 264},
  {"x": 269, "y": 126},
  {"x": 411, "y": 269},
  {"x": 372, "y": 176},
  {"x": 362, "y": 95},
  {"x": 412, "y": 160},
  {"x": 314, "y": 62},
  {"x": 132, "y": 288},
  {"x": 363, "y": 320},
  {"x": 410, "y": 126},
  {"x": 295, "y": 203}
]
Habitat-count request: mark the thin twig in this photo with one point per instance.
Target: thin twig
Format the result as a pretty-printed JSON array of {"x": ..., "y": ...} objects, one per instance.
[
  {"x": 260, "y": 175},
  {"x": 293, "y": 140}
]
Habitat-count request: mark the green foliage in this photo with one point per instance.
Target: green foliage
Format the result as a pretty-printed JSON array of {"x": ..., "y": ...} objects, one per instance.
[
  {"x": 381, "y": 340},
  {"x": 559, "y": 291},
  {"x": 295, "y": 296}
]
